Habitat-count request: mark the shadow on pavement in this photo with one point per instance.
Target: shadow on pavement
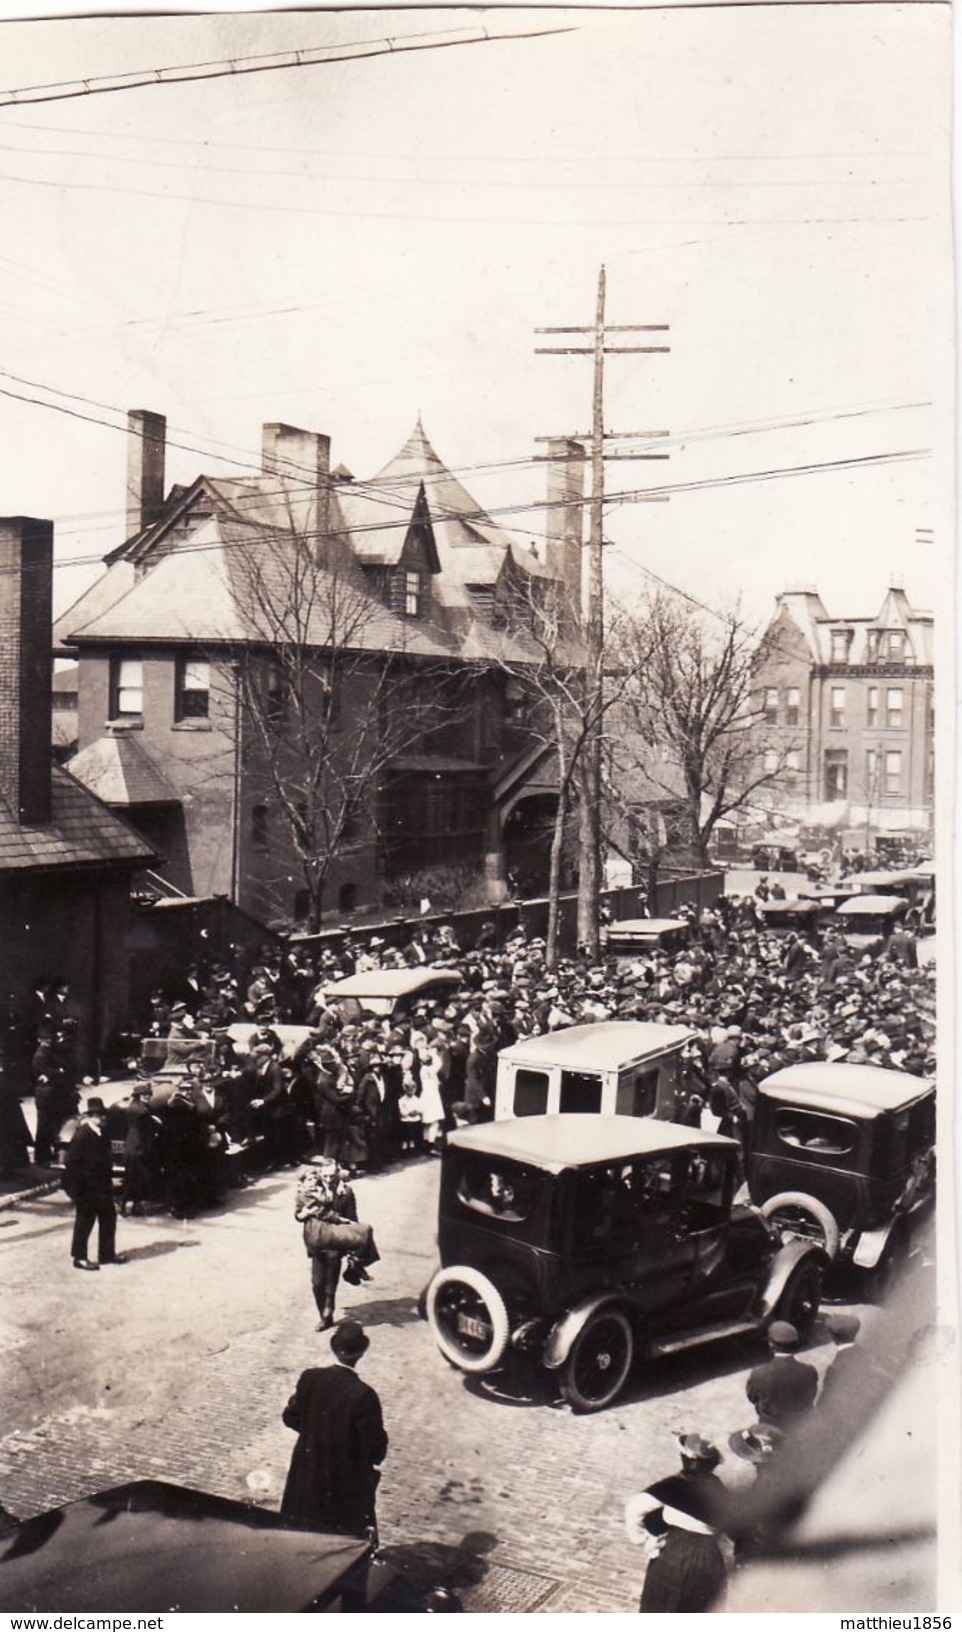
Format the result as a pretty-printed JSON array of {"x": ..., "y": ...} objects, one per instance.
[
  {"x": 428, "y": 1564},
  {"x": 156, "y": 1249},
  {"x": 385, "y": 1311}
]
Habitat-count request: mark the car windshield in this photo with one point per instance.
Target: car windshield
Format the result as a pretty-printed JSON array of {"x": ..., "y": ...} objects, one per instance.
[{"x": 816, "y": 1132}]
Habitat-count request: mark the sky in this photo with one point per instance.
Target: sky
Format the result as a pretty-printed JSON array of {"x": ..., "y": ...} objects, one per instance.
[{"x": 349, "y": 246}]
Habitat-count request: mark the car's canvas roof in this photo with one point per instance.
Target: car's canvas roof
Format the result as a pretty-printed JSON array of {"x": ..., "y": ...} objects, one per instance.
[
  {"x": 390, "y": 982},
  {"x": 797, "y": 908},
  {"x": 602, "y": 1045},
  {"x": 871, "y": 906},
  {"x": 580, "y": 1140},
  {"x": 149, "y": 1546},
  {"x": 852, "y": 1090},
  {"x": 645, "y": 926}
]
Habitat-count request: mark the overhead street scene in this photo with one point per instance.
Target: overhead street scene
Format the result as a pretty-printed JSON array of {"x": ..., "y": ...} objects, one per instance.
[{"x": 475, "y": 548}]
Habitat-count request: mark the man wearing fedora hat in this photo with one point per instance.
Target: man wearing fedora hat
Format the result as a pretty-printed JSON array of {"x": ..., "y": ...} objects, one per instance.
[
  {"x": 783, "y": 1390},
  {"x": 335, "y": 1467},
  {"x": 88, "y": 1181}
]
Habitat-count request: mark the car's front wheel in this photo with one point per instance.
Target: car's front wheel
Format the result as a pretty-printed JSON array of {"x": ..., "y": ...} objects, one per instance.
[
  {"x": 468, "y": 1317},
  {"x": 793, "y": 1213},
  {"x": 799, "y": 1302},
  {"x": 598, "y": 1362}
]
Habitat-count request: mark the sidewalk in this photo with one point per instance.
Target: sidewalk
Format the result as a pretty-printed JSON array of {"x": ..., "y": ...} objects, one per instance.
[{"x": 26, "y": 1183}]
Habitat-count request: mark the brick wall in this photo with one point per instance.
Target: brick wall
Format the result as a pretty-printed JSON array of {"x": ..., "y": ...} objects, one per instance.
[{"x": 26, "y": 566}]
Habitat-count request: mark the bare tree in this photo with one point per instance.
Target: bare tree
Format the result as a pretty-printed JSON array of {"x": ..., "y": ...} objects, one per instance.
[
  {"x": 690, "y": 695},
  {"x": 331, "y": 690}
]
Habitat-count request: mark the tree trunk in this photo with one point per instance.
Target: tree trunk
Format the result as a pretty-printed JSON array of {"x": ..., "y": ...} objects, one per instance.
[{"x": 554, "y": 882}]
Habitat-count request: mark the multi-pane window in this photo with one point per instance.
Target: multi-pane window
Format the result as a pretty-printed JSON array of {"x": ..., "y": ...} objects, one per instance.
[
  {"x": 871, "y": 771},
  {"x": 793, "y": 699},
  {"x": 837, "y": 717},
  {"x": 770, "y": 705},
  {"x": 192, "y": 700},
  {"x": 893, "y": 771},
  {"x": 412, "y": 594},
  {"x": 126, "y": 688},
  {"x": 259, "y": 827},
  {"x": 793, "y": 760},
  {"x": 770, "y": 760},
  {"x": 871, "y": 708},
  {"x": 871, "y": 646},
  {"x": 841, "y": 640},
  {"x": 895, "y": 645},
  {"x": 894, "y": 706}
]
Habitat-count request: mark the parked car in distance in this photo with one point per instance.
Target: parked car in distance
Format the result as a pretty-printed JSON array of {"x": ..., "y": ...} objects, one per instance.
[
  {"x": 390, "y": 991},
  {"x": 867, "y": 920},
  {"x": 149, "y": 1547},
  {"x": 607, "y": 1067},
  {"x": 803, "y": 916},
  {"x": 775, "y": 858},
  {"x": 588, "y": 1241},
  {"x": 630, "y": 935},
  {"x": 844, "y": 1156}
]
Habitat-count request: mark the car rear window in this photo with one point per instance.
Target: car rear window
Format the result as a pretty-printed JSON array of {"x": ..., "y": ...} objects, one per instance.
[
  {"x": 816, "y": 1132},
  {"x": 505, "y": 1192},
  {"x": 580, "y": 1091}
]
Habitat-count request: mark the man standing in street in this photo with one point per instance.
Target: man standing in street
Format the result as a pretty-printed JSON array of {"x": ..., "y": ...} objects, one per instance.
[
  {"x": 334, "y": 1473},
  {"x": 88, "y": 1181},
  {"x": 783, "y": 1390}
]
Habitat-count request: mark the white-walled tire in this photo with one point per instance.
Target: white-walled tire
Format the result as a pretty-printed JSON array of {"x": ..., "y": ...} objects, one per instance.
[
  {"x": 467, "y": 1315},
  {"x": 795, "y": 1213}
]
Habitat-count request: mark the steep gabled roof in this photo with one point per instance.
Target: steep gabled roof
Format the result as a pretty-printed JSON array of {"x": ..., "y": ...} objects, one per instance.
[{"x": 81, "y": 832}]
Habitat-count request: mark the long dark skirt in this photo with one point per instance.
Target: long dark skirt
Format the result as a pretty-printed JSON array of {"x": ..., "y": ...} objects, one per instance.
[{"x": 685, "y": 1577}]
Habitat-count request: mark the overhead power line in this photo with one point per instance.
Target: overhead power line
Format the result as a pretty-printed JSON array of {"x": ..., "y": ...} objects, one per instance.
[{"x": 270, "y": 62}]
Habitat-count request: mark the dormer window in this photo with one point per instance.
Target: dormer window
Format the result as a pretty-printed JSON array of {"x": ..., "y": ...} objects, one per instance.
[
  {"x": 412, "y": 594},
  {"x": 841, "y": 641},
  {"x": 895, "y": 645}
]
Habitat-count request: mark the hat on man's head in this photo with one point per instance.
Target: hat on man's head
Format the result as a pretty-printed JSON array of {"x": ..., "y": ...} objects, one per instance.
[
  {"x": 96, "y": 1107},
  {"x": 782, "y": 1335},
  {"x": 349, "y": 1340},
  {"x": 756, "y": 1444},
  {"x": 696, "y": 1449},
  {"x": 843, "y": 1328}
]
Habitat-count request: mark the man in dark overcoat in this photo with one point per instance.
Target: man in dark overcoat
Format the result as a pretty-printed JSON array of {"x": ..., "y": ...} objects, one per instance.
[
  {"x": 334, "y": 1473},
  {"x": 88, "y": 1181},
  {"x": 783, "y": 1390}
]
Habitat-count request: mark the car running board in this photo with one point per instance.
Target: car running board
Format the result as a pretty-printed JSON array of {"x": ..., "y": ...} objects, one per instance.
[{"x": 661, "y": 1346}]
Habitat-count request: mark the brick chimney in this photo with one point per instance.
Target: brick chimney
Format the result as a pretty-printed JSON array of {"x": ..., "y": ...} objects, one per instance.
[
  {"x": 26, "y": 598},
  {"x": 564, "y": 554},
  {"x": 303, "y": 461},
  {"x": 147, "y": 433}
]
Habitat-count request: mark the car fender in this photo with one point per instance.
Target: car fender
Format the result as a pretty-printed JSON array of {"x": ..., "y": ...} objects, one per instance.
[
  {"x": 871, "y": 1245},
  {"x": 564, "y": 1331},
  {"x": 783, "y": 1265}
]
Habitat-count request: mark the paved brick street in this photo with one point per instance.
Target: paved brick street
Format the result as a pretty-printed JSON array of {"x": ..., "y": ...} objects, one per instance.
[{"x": 178, "y": 1364}]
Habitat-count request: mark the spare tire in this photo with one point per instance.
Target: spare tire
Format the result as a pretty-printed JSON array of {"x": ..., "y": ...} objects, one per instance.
[
  {"x": 794, "y": 1212},
  {"x": 468, "y": 1317}
]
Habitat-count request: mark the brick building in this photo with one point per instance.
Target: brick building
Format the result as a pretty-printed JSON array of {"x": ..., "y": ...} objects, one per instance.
[
  {"x": 66, "y": 861},
  {"x": 847, "y": 706},
  {"x": 403, "y": 594}
]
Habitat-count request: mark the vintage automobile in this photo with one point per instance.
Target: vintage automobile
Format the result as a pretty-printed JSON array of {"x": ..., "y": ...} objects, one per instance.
[
  {"x": 150, "y": 1547},
  {"x": 867, "y": 921},
  {"x": 628, "y": 936},
  {"x": 775, "y": 858},
  {"x": 801, "y": 917},
  {"x": 390, "y": 991},
  {"x": 590, "y": 1240},
  {"x": 608, "y": 1067},
  {"x": 844, "y": 1156}
]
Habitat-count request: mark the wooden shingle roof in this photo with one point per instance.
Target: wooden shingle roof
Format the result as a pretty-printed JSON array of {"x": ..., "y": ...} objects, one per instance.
[{"x": 81, "y": 833}]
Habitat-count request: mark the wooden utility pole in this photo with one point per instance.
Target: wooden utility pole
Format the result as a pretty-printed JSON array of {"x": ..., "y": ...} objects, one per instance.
[{"x": 593, "y": 612}]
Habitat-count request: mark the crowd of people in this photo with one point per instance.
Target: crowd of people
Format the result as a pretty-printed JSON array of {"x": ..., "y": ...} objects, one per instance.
[{"x": 367, "y": 1091}]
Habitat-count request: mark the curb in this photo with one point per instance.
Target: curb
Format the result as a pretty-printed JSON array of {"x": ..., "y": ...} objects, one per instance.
[{"x": 17, "y": 1200}]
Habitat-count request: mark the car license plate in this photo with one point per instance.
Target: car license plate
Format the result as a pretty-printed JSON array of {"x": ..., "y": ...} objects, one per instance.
[
  {"x": 470, "y": 1326},
  {"x": 117, "y": 1147}
]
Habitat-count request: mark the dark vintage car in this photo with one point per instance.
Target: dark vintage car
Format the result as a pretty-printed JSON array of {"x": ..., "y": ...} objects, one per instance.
[
  {"x": 150, "y": 1547},
  {"x": 844, "y": 1155},
  {"x": 793, "y": 916},
  {"x": 590, "y": 1240},
  {"x": 626, "y": 937},
  {"x": 386, "y": 992}
]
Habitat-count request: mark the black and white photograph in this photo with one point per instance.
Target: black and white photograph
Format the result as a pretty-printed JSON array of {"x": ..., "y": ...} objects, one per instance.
[{"x": 477, "y": 693}]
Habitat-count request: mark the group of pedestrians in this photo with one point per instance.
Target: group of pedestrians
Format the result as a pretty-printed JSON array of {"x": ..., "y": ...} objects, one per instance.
[{"x": 691, "y": 1529}]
